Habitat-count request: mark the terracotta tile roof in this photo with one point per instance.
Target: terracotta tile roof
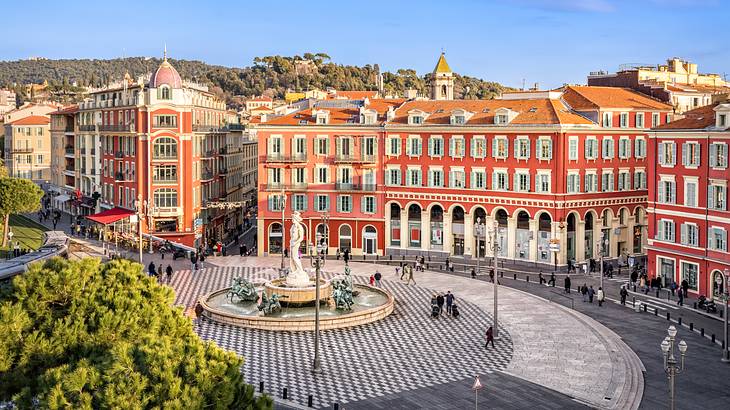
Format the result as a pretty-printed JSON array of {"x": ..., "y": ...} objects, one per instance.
[
  {"x": 337, "y": 116},
  {"x": 593, "y": 98},
  {"x": 353, "y": 95},
  {"x": 261, "y": 98},
  {"x": 531, "y": 112},
  {"x": 262, "y": 108},
  {"x": 71, "y": 109},
  {"x": 32, "y": 120},
  {"x": 696, "y": 119}
]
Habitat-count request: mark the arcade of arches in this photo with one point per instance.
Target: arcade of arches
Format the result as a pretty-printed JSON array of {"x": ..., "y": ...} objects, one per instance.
[{"x": 412, "y": 229}]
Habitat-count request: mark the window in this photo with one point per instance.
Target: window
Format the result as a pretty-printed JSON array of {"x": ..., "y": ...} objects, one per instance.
[
  {"x": 369, "y": 148},
  {"x": 299, "y": 202},
  {"x": 722, "y": 120},
  {"x": 413, "y": 177},
  {"x": 165, "y": 121},
  {"x": 458, "y": 120},
  {"x": 624, "y": 120},
  {"x": 573, "y": 183},
  {"x": 344, "y": 147},
  {"x": 416, "y": 119},
  {"x": 164, "y": 148},
  {"x": 368, "y": 204},
  {"x": 164, "y": 93},
  {"x": 393, "y": 146},
  {"x": 435, "y": 178},
  {"x": 573, "y": 148},
  {"x": 322, "y": 146},
  {"x": 607, "y": 120},
  {"x": 522, "y": 148},
  {"x": 436, "y": 146},
  {"x": 413, "y": 146},
  {"x": 322, "y": 203},
  {"x": 654, "y": 119},
  {"x": 542, "y": 183},
  {"x": 607, "y": 181},
  {"x": 667, "y": 192},
  {"x": 689, "y": 234},
  {"x": 500, "y": 181},
  {"x": 322, "y": 175},
  {"x": 667, "y": 153},
  {"x": 690, "y": 193},
  {"x": 394, "y": 176},
  {"x": 639, "y": 120},
  {"x": 165, "y": 198},
  {"x": 344, "y": 175},
  {"x": 478, "y": 147},
  {"x": 591, "y": 182},
  {"x": 164, "y": 174},
  {"x": 717, "y": 197},
  {"x": 640, "y": 148},
  {"x": 276, "y": 202},
  {"x": 668, "y": 118},
  {"x": 522, "y": 182},
  {"x": 591, "y": 149},
  {"x": 300, "y": 147},
  {"x": 624, "y": 148},
  {"x": 607, "y": 149},
  {"x": 691, "y": 154},
  {"x": 478, "y": 179},
  {"x": 500, "y": 147},
  {"x": 624, "y": 181},
  {"x": 689, "y": 272},
  {"x": 544, "y": 149},
  {"x": 665, "y": 230},
  {"x": 718, "y": 155},
  {"x": 456, "y": 178},
  {"x": 717, "y": 239},
  {"x": 639, "y": 180},
  {"x": 456, "y": 147},
  {"x": 344, "y": 203},
  {"x": 298, "y": 176},
  {"x": 501, "y": 119}
]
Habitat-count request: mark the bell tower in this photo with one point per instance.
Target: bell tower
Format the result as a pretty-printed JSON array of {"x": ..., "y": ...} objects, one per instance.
[{"x": 442, "y": 80}]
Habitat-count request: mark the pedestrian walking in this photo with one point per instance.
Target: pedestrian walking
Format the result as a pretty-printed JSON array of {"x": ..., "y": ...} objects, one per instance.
[
  {"x": 159, "y": 271},
  {"x": 491, "y": 275},
  {"x": 542, "y": 279},
  {"x": 372, "y": 280},
  {"x": 680, "y": 298},
  {"x": 473, "y": 273},
  {"x": 347, "y": 256},
  {"x": 241, "y": 250},
  {"x": 567, "y": 284},
  {"x": 552, "y": 279},
  {"x": 449, "y": 302},
  {"x": 193, "y": 261},
  {"x": 201, "y": 260},
  {"x": 440, "y": 302},
  {"x": 151, "y": 269},
  {"x": 168, "y": 270},
  {"x": 410, "y": 275},
  {"x": 601, "y": 296},
  {"x": 378, "y": 276},
  {"x": 418, "y": 264},
  {"x": 685, "y": 287},
  {"x": 591, "y": 293},
  {"x": 490, "y": 337},
  {"x": 584, "y": 292},
  {"x": 623, "y": 293}
]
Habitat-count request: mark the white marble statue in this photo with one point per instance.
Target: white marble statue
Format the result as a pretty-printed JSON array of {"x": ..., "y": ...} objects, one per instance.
[{"x": 297, "y": 277}]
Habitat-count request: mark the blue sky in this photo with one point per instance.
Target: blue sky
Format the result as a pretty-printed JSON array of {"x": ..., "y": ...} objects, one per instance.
[{"x": 546, "y": 41}]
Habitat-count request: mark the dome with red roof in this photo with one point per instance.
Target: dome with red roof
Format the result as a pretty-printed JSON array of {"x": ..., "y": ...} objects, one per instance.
[{"x": 166, "y": 74}]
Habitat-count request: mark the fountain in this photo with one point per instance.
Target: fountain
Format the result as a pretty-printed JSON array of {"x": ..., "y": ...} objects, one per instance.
[{"x": 288, "y": 303}]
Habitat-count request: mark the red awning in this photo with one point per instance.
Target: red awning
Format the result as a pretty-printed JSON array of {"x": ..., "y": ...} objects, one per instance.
[{"x": 110, "y": 216}]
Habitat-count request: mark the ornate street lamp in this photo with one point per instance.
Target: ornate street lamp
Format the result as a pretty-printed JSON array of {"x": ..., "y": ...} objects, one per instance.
[
  {"x": 318, "y": 261},
  {"x": 671, "y": 367},
  {"x": 495, "y": 251},
  {"x": 479, "y": 230},
  {"x": 724, "y": 298}
]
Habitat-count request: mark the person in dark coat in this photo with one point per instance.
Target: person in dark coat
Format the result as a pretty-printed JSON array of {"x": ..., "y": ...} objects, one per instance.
[
  {"x": 159, "y": 271},
  {"x": 347, "y": 256},
  {"x": 584, "y": 292},
  {"x": 567, "y": 284},
  {"x": 552, "y": 279},
  {"x": 623, "y": 293},
  {"x": 241, "y": 250},
  {"x": 473, "y": 273},
  {"x": 194, "y": 261},
  {"x": 449, "y": 302},
  {"x": 151, "y": 269},
  {"x": 168, "y": 270},
  {"x": 591, "y": 292},
  {"x": 685, "y": 287},
  {"x": 490, "y": 337},
  {"x": 440, "y": 302}
]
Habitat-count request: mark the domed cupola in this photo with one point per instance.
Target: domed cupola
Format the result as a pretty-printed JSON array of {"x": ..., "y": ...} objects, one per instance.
[{"x": 166, "y": 74}]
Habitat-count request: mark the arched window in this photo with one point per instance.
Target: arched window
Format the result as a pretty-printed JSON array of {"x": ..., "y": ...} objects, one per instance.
[
  {"x": 275, "y": 237},
  {"x": 443, "y": 91},
  {"x": 165, "y": 197},
  {"x": 164, "y": 92},
  {"x": 164, "y": 148},
  {"x": 395, "y": 227},
  {"x": 345, "y": 238}
]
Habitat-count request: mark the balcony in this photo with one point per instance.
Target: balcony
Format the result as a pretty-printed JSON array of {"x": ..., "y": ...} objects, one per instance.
[
  {"x": 301, "y": 186},
  {"x": 117, "y": 128},
  {"x": 355, "y": 159},
  {"x": 286, "y": 158},
  {"x": 164, "y": 181},
  {"x": 206, "y": 176},
  {"x": 164, "y": 158},
  {"x": 119, "y": 154},
  {"x": 69, "y": 128},
  {"x": 70, "y": 168},
  {"x": 235, "y": 127},
  {"x": 162, "y": 211},
  {"x": 208, "y": 128},
  {"x": 222, "y": 150},
  {"x": 69, "y": 150},
  {"x": 21, "y": 150},
  {"x": 88, "y": 128},
  {"x": 340, "y": 186}
]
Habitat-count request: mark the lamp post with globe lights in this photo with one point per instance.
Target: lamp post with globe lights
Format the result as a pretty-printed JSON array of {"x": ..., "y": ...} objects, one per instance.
[
  {"x": 495, "y": 252},
  {"x": 479, "y": 230},
  {"x": 724, "y": 298},
  {"x": 318, "y": 261},
  {"x": 671, "y": 367}
]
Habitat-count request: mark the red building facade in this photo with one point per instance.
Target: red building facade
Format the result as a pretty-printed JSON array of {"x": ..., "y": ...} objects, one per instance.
[{"x": 688, "y": 212}]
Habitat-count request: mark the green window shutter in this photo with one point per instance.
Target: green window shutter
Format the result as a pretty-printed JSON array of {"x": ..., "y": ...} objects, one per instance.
[
  {"x": 516, "y": 149},
  {"x": 660, "y": 154},
  {"x": 306, "y": 202},
  {"x": 420, "y": 146},
  {"x": 472, "y": 180},
  {"x": 339, "y": 203},
  {"x": 452, "y": 147},
  {"x": 660, "y": 191},
  {"x": 685, "y": 159},
  {"x": 529, "y": 183},
  {"x": 711, "y": 197},
  {"x": 362, "y": 204},
  {"x": 683, "y": 234},
  {"x": 660, "y": 230},
  {"x": 713, "y": 155},
  {"x": 430, "y": 147},
  {"x": 271, "y": 203},
  {"x": 494, "y": 148},
  {"x": 338, "y": 146},
  {"x": 472, "y": 150},
  {"x": 375, "y": 205},
  {"x": 697, "y": 155},
  {"x": 550, "y": 148},
  {"x": 674, "y": 153}
]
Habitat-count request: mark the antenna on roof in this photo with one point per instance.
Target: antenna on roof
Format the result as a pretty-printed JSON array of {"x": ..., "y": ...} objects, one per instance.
[{"x": 164, "y": 53}]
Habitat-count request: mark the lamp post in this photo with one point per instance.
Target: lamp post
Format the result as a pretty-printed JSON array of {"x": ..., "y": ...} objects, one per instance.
[
  {"x": 495, "y": 252},
  {"x": 318, "y": 262},
  {"x": 600, "y": 257},
  {"x": 140, "y": 205},
  {"x": 725, "y": 294},
  {"x": 561, "y": 225},
  {"x": 671, "y": 367},
  {"x": 283, "y": 230},
  {"x": 479, "y": 231}
]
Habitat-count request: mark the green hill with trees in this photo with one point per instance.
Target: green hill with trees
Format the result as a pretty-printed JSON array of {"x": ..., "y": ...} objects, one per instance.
[{"x": 271, "y": 75}]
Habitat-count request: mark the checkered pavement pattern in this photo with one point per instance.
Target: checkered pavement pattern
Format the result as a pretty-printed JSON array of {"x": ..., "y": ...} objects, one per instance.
[{"x": 405, "y": 351}]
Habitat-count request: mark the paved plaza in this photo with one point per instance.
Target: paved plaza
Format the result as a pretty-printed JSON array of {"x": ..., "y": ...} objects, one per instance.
[{"x": 565, "y": 353}]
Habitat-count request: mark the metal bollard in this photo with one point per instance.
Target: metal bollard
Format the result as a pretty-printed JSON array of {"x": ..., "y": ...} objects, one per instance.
[
  {"x": 713, "y": 338},
  {"x": 310, "y": 401},
  {"x": 679, "y": 321},
  {"x": 667, "y": 315},
  {"x": 702, "y": 332},
  {"x": 501, "y": 274},
  {"x": 527, "y": 278},
  {"x": 694, "y": 305},
  {"x": 691, "y": 326},
  {"x": 336, "y": 406},
  {"x": 644, "y": 308},
  {"x": 668, "y": 295},
  {"x": 283, "y": 394},
  {"x": 515, "y": 276},
  {"x": 634, "y": 288},
  {"x": 261, "y": 387},
  {"x": 656, "y": 311}
]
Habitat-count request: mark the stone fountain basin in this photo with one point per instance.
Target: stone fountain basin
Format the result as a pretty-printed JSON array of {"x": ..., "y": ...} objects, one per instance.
[
  {"x": 371, "y": 305},
  {"x": 290, "y": 295}
]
